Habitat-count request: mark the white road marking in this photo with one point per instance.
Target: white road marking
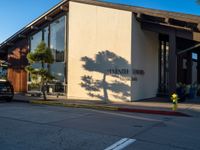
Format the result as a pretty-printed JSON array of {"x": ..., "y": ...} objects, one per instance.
[
  {"x": 127, "y": 116},
  {"x": 116, "y": 144},
  {"x": 121, "y": 144}
]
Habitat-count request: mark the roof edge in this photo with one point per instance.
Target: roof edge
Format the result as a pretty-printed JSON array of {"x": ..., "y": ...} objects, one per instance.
[
  {"x": 134, "y": 9},
  {"x": 137, "y": 9}
]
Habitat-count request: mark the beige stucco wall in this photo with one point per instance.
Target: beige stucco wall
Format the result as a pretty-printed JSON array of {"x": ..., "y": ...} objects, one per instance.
[
  {"x": 144, "y": 57},
  {"x": 93, "y": 29}
]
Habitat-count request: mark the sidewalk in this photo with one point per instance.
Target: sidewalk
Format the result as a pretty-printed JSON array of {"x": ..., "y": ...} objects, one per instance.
[{"x": 148, "y": 107}]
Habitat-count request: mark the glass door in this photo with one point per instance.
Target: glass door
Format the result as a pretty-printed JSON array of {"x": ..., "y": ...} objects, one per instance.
[{"x": 164, "y": 65}]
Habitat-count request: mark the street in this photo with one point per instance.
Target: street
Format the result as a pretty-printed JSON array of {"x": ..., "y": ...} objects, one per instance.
[{"x": 26, "y": 126}]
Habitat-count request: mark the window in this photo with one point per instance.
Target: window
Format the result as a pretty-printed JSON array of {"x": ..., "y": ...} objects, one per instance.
[
  {"x": 46, "y": 35},
  {"x": 194, "y": 56},
  {"x": 57, "y": 39},
  {"x": 164, "y": 65},
  {"x": 35, "y": 40},
  {"x": 54, "y": 37},
  {"x": 57, "y": 45},
  {"x": 3, "y": 72}
]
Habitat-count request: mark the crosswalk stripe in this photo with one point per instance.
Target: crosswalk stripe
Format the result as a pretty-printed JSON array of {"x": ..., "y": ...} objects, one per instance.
[{"x": 121, "y": 144}]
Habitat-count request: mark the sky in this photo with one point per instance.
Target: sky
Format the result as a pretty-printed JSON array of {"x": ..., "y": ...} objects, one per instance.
[
  {"x": 15, "y": 14},
  {"x": 183, "y": 6}
]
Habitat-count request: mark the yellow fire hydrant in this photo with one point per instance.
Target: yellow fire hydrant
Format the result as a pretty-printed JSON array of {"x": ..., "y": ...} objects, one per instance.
[{"x": 174, "y": 99}]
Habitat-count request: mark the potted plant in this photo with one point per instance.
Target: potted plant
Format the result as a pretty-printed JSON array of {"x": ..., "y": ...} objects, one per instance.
[{"x": 193, "y": 90}]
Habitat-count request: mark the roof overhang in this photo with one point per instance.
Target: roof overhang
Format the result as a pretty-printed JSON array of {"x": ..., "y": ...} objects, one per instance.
[
  {"x": 185, "y": 25},
  {"x": 167, "y": 15}
]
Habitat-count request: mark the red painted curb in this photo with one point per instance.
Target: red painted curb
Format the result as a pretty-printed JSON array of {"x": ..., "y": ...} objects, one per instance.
[{"x": 157, "y": 112}]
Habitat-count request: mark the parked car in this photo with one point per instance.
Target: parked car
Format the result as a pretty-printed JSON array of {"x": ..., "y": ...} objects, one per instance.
[{"x": 6, "y": 90}]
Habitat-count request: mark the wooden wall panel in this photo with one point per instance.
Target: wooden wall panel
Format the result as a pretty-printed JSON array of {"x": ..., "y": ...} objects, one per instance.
[
  {"x": 18, "y": 78},
  {"x": 17, "y": 60}
]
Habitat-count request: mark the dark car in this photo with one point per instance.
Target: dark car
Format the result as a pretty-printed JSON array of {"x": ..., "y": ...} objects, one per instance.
[{"x": 6, "y": 90}]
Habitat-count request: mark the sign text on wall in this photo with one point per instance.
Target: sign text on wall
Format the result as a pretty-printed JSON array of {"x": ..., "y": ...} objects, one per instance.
[{"x": 126, "y": 72}]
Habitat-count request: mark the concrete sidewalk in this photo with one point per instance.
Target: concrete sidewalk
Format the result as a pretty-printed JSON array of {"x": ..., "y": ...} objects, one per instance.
[{"x": 149, "y": 107}]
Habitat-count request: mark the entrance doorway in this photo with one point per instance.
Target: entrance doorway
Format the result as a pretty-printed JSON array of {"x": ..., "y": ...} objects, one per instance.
[
  {"x": 164, "y": 64},
  {"x": 187, "y": 64}
]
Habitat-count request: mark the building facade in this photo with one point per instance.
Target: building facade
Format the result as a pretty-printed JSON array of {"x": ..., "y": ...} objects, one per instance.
[{"x": 108, "y": 51}]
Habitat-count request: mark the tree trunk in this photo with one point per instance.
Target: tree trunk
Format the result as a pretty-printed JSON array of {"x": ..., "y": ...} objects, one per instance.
[
  {"x": 43, "y": 92},
  {"x": 43, "y": 85},
  {"x": 105, "y": 88}
]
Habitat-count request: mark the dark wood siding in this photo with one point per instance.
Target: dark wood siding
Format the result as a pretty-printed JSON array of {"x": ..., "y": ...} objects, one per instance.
[{"x": 16, "y": 70}]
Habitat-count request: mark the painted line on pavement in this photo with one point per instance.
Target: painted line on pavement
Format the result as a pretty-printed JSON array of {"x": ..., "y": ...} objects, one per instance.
[
  {"x": 128, "y": 116},
  {"x": 121, "y": 144}
]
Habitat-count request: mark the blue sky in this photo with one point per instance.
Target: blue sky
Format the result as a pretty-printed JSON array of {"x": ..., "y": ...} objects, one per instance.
[
  {"x": 15, "y": 14},
  {"x": 184, "y": 6}
]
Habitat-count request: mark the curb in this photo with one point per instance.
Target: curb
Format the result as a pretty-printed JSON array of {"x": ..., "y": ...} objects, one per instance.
[
  {"x": 21, "y": 101},
  {"x": 113, "y": 108},
  {"x": 99, "y": 107},
  {"x": 154, "y": 112}
]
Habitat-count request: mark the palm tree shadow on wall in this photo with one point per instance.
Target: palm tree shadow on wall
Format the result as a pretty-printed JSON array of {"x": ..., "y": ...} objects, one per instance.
[{"x": 109, "y": 65}]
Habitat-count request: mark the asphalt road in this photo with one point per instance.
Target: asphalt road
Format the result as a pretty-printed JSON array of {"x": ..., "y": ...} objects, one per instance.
[{"x": 40, "y": 127}]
